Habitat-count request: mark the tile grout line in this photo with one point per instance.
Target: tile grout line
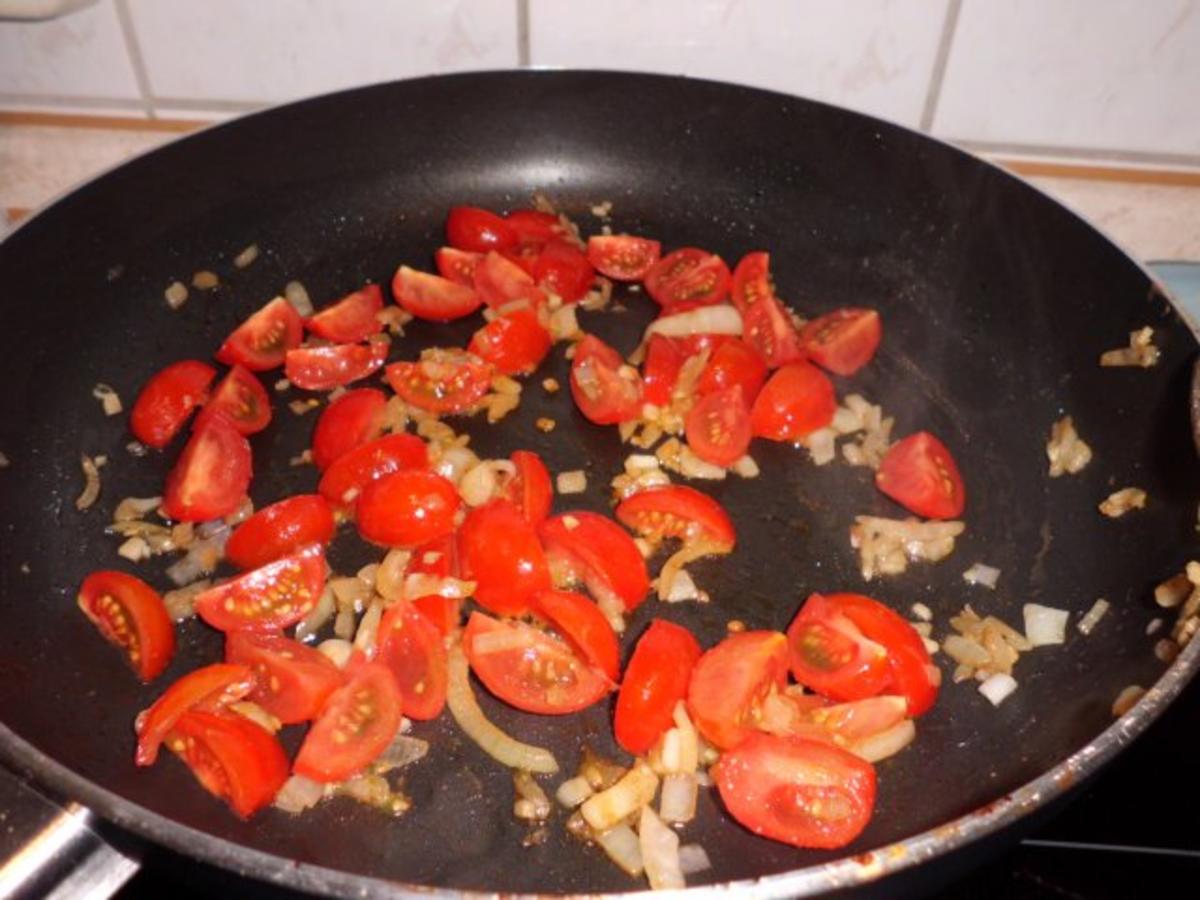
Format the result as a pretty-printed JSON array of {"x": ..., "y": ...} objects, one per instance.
[
  {"x": 1059, "y": 152},
  {"x": 134, "y": 51},
  {"x": 941, "y": 61},
  {"x": 523, "y": 54},
  {"x": 67, "y": 100},
  {"x": 227, "y": 106}
]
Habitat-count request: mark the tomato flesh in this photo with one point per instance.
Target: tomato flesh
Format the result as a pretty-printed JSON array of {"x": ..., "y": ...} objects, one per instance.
[
  {"x": 563, "y": 269},
  {"x": 292, "y": 680},
  {"x": 208, "y": 688},
  {"x": 131, "y": 616},
  {"x": 279, "y": 530},
  {"x": 656, "y": 679},
  {"x": 240, "y": 398},
  {"x": 352, "y": 319},
  {"x": 664, "y": 359},
  {"x": 530, "y": 489},
  {"x": 325, "y": 368},
  {"x": 579, "y": 621},
  {"x": 273, "y": 596},
  {"x": 410, "y": 645},
  {"x": 797, "y": 400},
  {"x": 479, "y": 230},
  {"x": 263, "y": 340},
  {"x": 534, "y": 227},
  {"x": 622, "y": 257},
  {"x": 432, "y": 297},
  {"x": 500, "y": 551},
  {"x": 457, "y": 265},
  {"x": 677, "y": 511},
  {"x": 164, "y": 404},
  {"x": 442, "y": 381},
  {"x": 768, "y": 327},
  {"x": 830, "y": 654},
  {"x": 600, "y": 552},
  {"x": 718, "y": 427},
  {"x": 921, "y": 475},
  {"x": 500, "y": 281},
  {"x": 407, "y": 508},
  {"x": 688, "y": 278},
  {"x": 844, "y": 724},
  {"x": 515, "y": 343},
  {"x": 730, "y": 681},
  {"x": 347, "y": 476},
  {"x": 233, "y": 758},
  {"x": 733, "y": 362},
  {"x": 605, "y": 389},
  {"x": 844, "y": 340},
  {"x": 212, "y": 474},
  {"x": 350, "y": 421}
]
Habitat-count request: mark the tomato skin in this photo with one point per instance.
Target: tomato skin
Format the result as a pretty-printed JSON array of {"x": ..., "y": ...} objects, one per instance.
[
  {"x": 718, "y": 427},
  {"x": 530, "y": 490},
  {"x": 407, "y": 508},
  {"x": 921, "y": 475},
  {"x": 844, "y": 340},
  {"x": 664, "y": 359},
  {"x": 730, "y": 681},
  {"x": 601, "y": 392},
  {"x": 830, "y": 654},
  {"x": 656, "y": 678},
  {"x": 457, "y": 265},
  {"x": 444, "y": 613},
  {"x": 292, "y": 680},
  {"x": 801, "y": 792},
  {"x": 768, "y": 327},
  {"x": 583, "y": 626},
  {"x": 233, "y": 758},
  {"x": 677, "y": 511},
  {"x": 515, "y": 343},
  {"x": 534, "y": 227},
  {"x": 543, "y": 676},
  {"x": 212, "y": 474},
  {"x": 500, "y": 551},
  {"x": 480, "y": 230},
  {"x": 167, "y": 399},
  {"x": 348, "y": 422},
  {"x": 797, "y": 400},
  {"x": 208, "y": 688},
  {"x": 240, "y": 398},
  {"x": 500, "y": 281},
  {"x": 279, "y": 530},
  {"x": 263, "y": 340},
  {"x": 600, "y": 551},
  {"x": 432, "y": 297},
  {"x": 273, "y": 596},
  {"x": 442, "y": 381},
  {"x": 131, "y": 616},
  {"x": 622, "y": 257},
  {"x": 688, "y": 277},
  {"x": 347, "y": 476},
  {"x": 733, "y": 362},
  {"x": 365, "y": 714},
  {"x": 410, "y": 645},
  {"x": 352, "y": 319},
  {"x": 325, "y": 368},
  {"x": 563, "y": 269}
]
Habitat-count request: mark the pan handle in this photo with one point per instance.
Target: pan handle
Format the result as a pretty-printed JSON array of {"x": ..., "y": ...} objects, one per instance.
[{"x": 53, "y": 851}]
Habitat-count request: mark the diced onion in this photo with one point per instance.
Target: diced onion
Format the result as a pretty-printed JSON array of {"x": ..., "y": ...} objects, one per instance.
[
  {"x": 682, "y": 588},
  {"x": 746, "y": 467},
  {"x": 1067, "y": 452},
  {"x": 718, "y": 319},
  {"x": 1127, "y": 699},
  {"x": 135, "y": 507},
  {"x": 678, "y": 800},
  {"x": 180, "y": 603},
  {"x": 886, "y": 743},
  {"x": 660, "y": 852},
  {"x": 692, "y": 466},
  {"x": 337, "y": 650},
  {"x": 966, "y": 651},
  {"x": 318, "y": 616},
  {"x": 693, "y": 858},
  {"x": 1173, "y": 591},
  {"x": 389, "y": 577},
  {"x": 404, "y": 750},
  {"x": 821, "y": 445},
  {"x": 572, "y": 482},
  {"x": 635, "y": 789},
  {"x": 573, "y": 792},
  {"x": 246, "y": 257},
  {"x": 997, "y": 687},
  {"x": 109, "y": 399},
  {"x": 91, "y": 486},
  {"x": 454, "y": 463},
  {"x": 296, "y": 294},
  {"x": 479, "y": 484},
  {"x": 298, "y": 794},
  {"x": 1093, "y": 616},
  {"x": 1120, "y": 502},
  {"x": 257, "y": 715},
  {"x": 176, "y": 294},
  {"x": 532, "y": 802},
  {"x": 1045, "y": 625},
  {"x": 982, "y": 574},
  {"x": 368, "y": 629},
  {"x": 623, "y": 848}
]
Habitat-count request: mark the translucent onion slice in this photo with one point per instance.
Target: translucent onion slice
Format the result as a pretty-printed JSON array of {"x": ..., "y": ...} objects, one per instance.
[{"x": 660, "y": 852}]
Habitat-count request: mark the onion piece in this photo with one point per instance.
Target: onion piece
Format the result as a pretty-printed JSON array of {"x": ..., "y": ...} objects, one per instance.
[
  {"x": 635, "y": 789},
  {"x": 1045, "y": 625},
  {"x": 109, "y": 399},
  {"x": 135, "y": 507},
  {"x": 1093, "y": 616},
  {"x": 966, "y": 651},
  {"x": 623, "y": 848},
  {"x": 720, "y": 318},
  {"x": 573, "y": 792},
  {"x": 368, "y": 629},
  {"x": 404, "y": 750},
  {"x": 298, "y": 794},
  {"x": 176, "y": 294},
  {"x": 886, "y": 743},
  {"x": 1120, "y": 502},
  {"x": 318, "y": 616},
  {"x": 389, "y": 577},
  {"x": 693, "y": 858},
  {"x": 678, "y": 800},
  {"x": 180, "y": 603},
  {"x": 337, "y": 650},
  {"x": 1067, "y": 452},
  {"x": 246, "y": 257},
  {"x": 1173, "y": 591},
  {"x": 296, "y": 294},
  {"x": 572, "y": 482},
  {"x": 532, "y": 802},
  {"x": 979, "y": 573},
  {"x": 257, "y": 715},
  {"x": 660, "y": 852},
  {"x": 998, "y": 687},
  {"x": 1127, "y": 699},
  {"x": 91, "y": 486}
]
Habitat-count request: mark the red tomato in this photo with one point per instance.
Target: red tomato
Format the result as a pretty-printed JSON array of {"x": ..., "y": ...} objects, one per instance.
[
  {"x": 730, "y": 681},
  {"x": 690, "y": 277},
  {"x": 830, "y": 654},
  {"x": 718, "y": 427},
  {"x": 563, "y": 269},
  {"x": 844, "y": 340},
  {"x": 733, "y": 362},
  {"x": 801, "y": 792},
  {"x": 431, "y": 297},
  {"x": 500, "y": 551},
  {"x": 292, "y": 680},
  {"x": 534, "y": 227},
  {"x": 444, "y": 613},
  {"x": 472, "y": 228},
  {"x": 442, "y": 381},
  {"x": 212, "y": 473},
  {"x": 348, "y": 422},
  {"x": 796, "y": 401},
  {"x": 279, "y": 530},
  {"x": 357, "y": 723},
  {"x": 438, "y": 558},
  {"x": 677, "y": 511},
  {"x": 240, "y": 398},
  {"x": 515, "y": 343},
  {"x": 584, "y": 627},
  {"x": 457, "y": 265},
  {"x": 768, "y": 327},
  {"x": 325, "y": 368},
  {"x": 208, "y": 688},
  {"x": 600, "y": 553},
  {"x": 606, "y": 390},
  {"x": 529, "y": 490},
  {"x": 500, "y": 281},
  {"x": 844, "y": 724},
  {"x": 698, "y": 343},
  {"x": 664, "y": 358},
  {"x": 411, "y": 647},
  {"x": 525, "y": 256},
  {"x": 346, "y": 477},
  {"x": 276, "y": 595},
  {"x": 263, "y": 340},
  {"x": 352, "y": 319},
  {"x": 656, "y": 679},
  {"x": 407, "y": 508},
  {"x": 131, "y": 616},
  {"x": 622, "y": 257},
  {"x": 168, "y": 399},
  {"x": 530, "y": 669},
  {"x": 233, "y": 758},
  {"x": 920, "y": 474}
]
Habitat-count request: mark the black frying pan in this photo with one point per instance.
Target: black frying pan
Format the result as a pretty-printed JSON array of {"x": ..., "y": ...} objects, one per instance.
[{"x": 996, "y": 303}]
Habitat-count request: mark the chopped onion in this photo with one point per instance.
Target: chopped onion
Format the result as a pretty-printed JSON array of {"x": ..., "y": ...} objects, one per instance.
[
  {"x": 205, "y": 280},
  {"x": 1045, "y": 625},
  {"x": 886, "y": 743},
  {"x": 622, "y": 847},
  {"x": 1092, "y": 616},
  {"x": 692, "y": 466},
  {"x": 982, "y": 574},
  {"x": 201, "y": 558},
  {"x": 1067, "y": 452},
  {"x": 318, "y": 616},
  {"x": 257, "y": 715},
  {"x": 389, "y": 577},
  {"x": 1140, "y": 352},
  {"x": 678, "y": 800},
  {"x": 298, "y": 794},
  {"x": 532, "y": 802},
  {"x": 660, "y": 852},
  {"x": 135, "y": 507},
  {"x": 108, "y": 398},
  {"x": 422, "y": 584},
  {"x": 454, "y": 463},
  {"x": 564, "y": 325},
  {"x": 572, "y": 482},
  {"x": 246, "y": 257},
  {"x": 821, "y": 446},
  {"x": 693, "y": 858},
  {"x": 635, "y": 789},
  {"x": 337, "y": 650},
  {"x": 1173, "y": 591},
  {"x": 922, "y": 612},
  {"x": 1127, "y": 699},
  {"x": 1120, "y": 502},
  {"x": 746, "y": 467},
  {"x": 368, "y": 629},
  {"x": 480, "y": 483},
  {"x": 296, "y": 294},
  {"x": 718, "y": 319},
  {"x": 180, "y": 602},
  {"x": 176, "y": 294},
  {"x": 573, "y": 792},
  {"x": 600, "y": 773},
  {"x": 135, "y": 549},
  {"x": 997, "y": 687},
  {"x": 91, "y": 486},
  {"x": 966, "y": 651},
  {"x": 682, "y": 588},
  {"x": 402, "y": 751}
]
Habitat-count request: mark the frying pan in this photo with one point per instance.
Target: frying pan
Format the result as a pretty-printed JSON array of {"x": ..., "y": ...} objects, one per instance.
[{"x": 996, "y": 303}]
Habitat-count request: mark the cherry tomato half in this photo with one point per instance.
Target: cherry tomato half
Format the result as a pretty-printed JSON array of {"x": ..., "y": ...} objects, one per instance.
[
  {"x": 529, "y": 490},
  {"x": 919, "y": 473},
  {"x": 534, "y": 227},
  {"x": 796, "y": 401},
  {"x": 690, "y": 277},
  {"x": 730, "y": 681},
  {"x": 352, "y": 319},
  {"x": 457, "y": 265},
  {"x": 406, "y": 508},
  {"x": 263, "y": 340},
  {"x": 664, "y": 359},
  {"x": 131, "y": 616},
  {"x": 411, "y": 647},
  {"x": 279, "y": 530},
  {"x": 500, "y": 281},
  {"x": 733, "y": 362},
  {"x": 348, "y": 422},
  {"x": 432, "y": 297},
  {"x": 830, "y": 654},
  {"x": 352, "y": 471},
  {"x": 326, "y": 368},
  {"x": 212, "y": 474},
  {"x": 357, "y": 723},
  {"x": 677, "y": 511},
  {"x": 622, "y": 257},
  {"x": 442, "y": 381},
  {"x": 600, "y": 553},
  {"x": 605, "y": 389},
  {"x": 656, "y": 679},
  {"x": 514, "y": 343},
  {"x": 233, "y": 758},
  {"x": 292, "y": 680},
  {"x": 208, "y": 688},
  {"x": 844, "y": 340},
  {"x": 240, "y": 398},
  {"x": 480, "y": 230},
  {"x": 768, "y": 327},
  {"x": 563, "y": 269},
  {"x": 579, "y": 621},
  {"x": 276, "y": 595},
  {"x": 500, "y": 551},
  {"x": 167, "y": 400},
  {"x": 718, "y": 427}
]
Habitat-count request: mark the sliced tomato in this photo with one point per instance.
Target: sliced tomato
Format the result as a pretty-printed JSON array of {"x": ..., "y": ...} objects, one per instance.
[
  {"x": 348, "y": 422},
  {"x": 579, "y": 621},
  {"x": 921, "y": 475},
  {"x": 534, "y": 227},
  {"x": 718, "y": 427},
  {"x": 530, "y": 669},
  {"x": 292, "y": 680},
  {"x": 411, "y": 647},
  {"x": 656, "y": 679},
  {"x": 693, "y": 344},
  {"x": 529, "y": 490},
  {"x": 480, "y": 230},
  {"x": 500, "y": 551},
  {"x": 690, "y": 277},
  {"x": 442, "y": 381},
  {"x": 563, "y": 269},
  {"x": 438, "y": 558},
  {"x": 801, "y": 792},
  {"x": 444, "y": 613},
  {"x": 131, "y": 616},
  {"x": 664, "y": 359},
  {"x": 768, "y": 327},
  {"x": 263, "y": 340},
  {"x": 734, "y": 362},
  {"x": 352, "y": 319},
  {"x": 830, "y": 654},
  {"x": 514, "y": 343},
  {"x": 234, "y": 759},
  {"x": 500, "y": 281},
  {"x": 606, "y": 390},
  {"x": 457, "y": 265},
  {"x": 844, "y": 724},
  {"x": 280, "y": 530},
  {"x": 208, "y": 688},
  {"x": 276, "y": 595},
  {"x": 240, "y": 398},
  {"x": 730, "y": 681},
  {"x": 326, "y": 368},
  {"x": 212, "y": 474},
  {"x": 599, "y": 552},
  {"x": 352, "y": 471},
  {"x": 432, "y": 297},
  {"x": 167, "y": 400},
  {"x": 622, "y": 257},
  {"x": 407, "y": 508},
  {"x": 796, "y": 401},
  {"x": 844, "y": 340},
  {"x": 357, "y": 723},
  {"x": 677, "y": 511}
]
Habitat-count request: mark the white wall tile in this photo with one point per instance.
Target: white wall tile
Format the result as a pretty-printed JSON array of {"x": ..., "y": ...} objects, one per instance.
[
  {"x": 871, "y": 55},
  {"x": 269, "y": 50},
  {"x": 82, "y": 54},
  {"x": 1104, "y": 74}
]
